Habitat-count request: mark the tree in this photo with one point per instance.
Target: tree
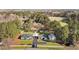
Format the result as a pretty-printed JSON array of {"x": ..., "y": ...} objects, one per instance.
[
  {"x": 55, "y": 26},
  {"x": 27, "y": 25},
  {"x": 39, "y": 18},
  {"x": 3, "y": 33},
  {"x": 12, "y": 30},
  {"x": 8, "y": 31},
  {"x": 17, "y": 23},
  {"x": 73, "y": 26},
  {"x": 60, "y": 32},
  {"x": 65, "y": 33}
]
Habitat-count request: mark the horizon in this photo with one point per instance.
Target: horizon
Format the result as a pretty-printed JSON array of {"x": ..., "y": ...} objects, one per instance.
[{"x": 41, "y": 10}]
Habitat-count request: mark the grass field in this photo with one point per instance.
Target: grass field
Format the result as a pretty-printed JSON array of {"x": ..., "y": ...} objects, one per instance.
[
  {"x": 39, "y": 47},
  {"x": 25, "y": 44}
]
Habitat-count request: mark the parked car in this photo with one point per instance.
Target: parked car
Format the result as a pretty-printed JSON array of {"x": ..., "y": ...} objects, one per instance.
[
  {"x": 43, "y": 37},
  {"x": 50, "y": 37}
]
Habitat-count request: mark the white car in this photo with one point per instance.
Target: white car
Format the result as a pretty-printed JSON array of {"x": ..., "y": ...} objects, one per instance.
[{"x": 48, "y": 37}]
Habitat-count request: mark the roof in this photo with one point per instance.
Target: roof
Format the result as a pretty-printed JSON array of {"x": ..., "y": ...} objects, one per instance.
[
  {"x": 63, "y": 24},
  {"x": 56, "y": 18}
]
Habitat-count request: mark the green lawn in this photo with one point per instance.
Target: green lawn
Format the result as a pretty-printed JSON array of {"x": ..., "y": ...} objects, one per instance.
[
  {"x": 47, "y": 47},
  {"x": 28, "y": 44}
]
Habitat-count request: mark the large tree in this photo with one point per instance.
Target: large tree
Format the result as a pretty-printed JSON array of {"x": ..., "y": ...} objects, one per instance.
[
  {"x": 73, "y": 26},
  {"x": 60, "y": 32},
  {"x": 39, "y": 17},
  {"x": 8, "y": 31}
]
